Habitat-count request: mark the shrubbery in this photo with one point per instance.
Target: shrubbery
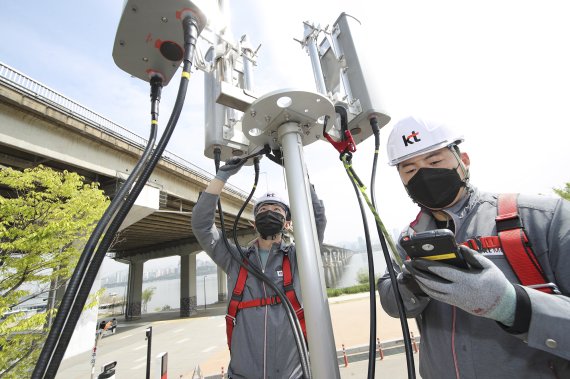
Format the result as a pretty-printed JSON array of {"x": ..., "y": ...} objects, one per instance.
[
  {"x": 332, "y": 292},
  {"x": 362, "y": 286}
]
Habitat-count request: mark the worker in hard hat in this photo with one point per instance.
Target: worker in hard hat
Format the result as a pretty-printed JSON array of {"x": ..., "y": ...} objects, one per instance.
[
  {"x": 508, "y": 314},
  {"x": 260, "y": 339}
]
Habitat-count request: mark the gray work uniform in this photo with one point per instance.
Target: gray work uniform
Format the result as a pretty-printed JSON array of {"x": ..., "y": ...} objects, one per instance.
[
  {"x": 263, "y": 344},
  {"x": 456, "y": 344}
]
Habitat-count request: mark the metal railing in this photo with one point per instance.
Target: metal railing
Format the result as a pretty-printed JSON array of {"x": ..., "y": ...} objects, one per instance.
[{"x": 44, "y": 94}]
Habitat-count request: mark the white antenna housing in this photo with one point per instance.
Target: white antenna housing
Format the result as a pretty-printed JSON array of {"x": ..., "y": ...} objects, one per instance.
[{"x": 150, "y": 40}]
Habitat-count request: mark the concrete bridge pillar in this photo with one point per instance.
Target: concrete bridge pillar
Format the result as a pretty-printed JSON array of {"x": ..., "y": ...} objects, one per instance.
[
  {"x": 338, "y": 264},
  {"x": 188, "y": 304},
  {"x": 134, "y": 290},
  {"x": 222, "y": 285},
  {"x": 329, "y": 283}
]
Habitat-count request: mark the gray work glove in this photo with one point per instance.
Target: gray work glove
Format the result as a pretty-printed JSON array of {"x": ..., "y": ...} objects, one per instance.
[
  {"x": 231, "y": 167},
  {"x": 482, "y": 290}
]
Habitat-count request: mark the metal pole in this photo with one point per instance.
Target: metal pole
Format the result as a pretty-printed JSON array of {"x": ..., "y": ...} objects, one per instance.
[
  {"x": 205, "y": 276},
  {"x": 98, "y": 334},
  {"x": 311, "y": 43},
  {"x": 317, "y": 314},
  {"x": 113, "y": 311},
  {"x": 247, "y": 57},
  {"x": 148, "y": 348}
]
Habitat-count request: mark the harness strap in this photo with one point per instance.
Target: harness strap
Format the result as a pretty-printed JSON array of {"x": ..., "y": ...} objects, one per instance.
[
  {"x": 271, "y": 300},
  {"x": 513, "y": 241},
  {"x": 483, "y": 243},
  {"x": 236, "y": 302},
  {"x": 516, "y": 246},
  {"x": 290, "y": 293}
]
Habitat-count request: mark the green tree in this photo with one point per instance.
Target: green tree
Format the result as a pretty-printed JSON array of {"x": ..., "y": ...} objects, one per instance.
[
  {"x": 362, "y": 276},
  {"x": 147, "y": 296},
  {"x": 563, "y": 192},
  {"x": 46, "y": 218}
]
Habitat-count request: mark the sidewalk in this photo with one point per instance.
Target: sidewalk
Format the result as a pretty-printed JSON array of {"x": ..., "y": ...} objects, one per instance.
[
  {"x": 200, "y": 341},
  {"x": 350, "y": 317}
]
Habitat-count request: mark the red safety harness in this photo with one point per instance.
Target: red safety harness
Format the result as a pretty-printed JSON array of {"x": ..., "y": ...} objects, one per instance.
[
  {"x": 236, "y": 304},
  {"x": 513, "y": 241}
]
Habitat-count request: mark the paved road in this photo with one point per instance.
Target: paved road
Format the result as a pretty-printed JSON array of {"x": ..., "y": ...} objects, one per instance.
[{"x": 201, "y": 341}]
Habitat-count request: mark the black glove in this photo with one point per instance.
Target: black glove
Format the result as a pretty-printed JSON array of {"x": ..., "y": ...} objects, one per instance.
[
  {"x": 277, "y": 157},
  {"x": 231, "y": 167}
]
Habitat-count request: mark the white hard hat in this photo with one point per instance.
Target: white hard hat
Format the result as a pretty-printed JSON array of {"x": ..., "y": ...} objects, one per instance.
[
  {"x": 412, "y": 136},
  {"x": 273, "y": 198}
]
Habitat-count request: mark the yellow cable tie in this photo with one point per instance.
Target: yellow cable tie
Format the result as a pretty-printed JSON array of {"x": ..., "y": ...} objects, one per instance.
[
  {"x": 186, "y": 74},
  {"x": 154, "y": 122}
]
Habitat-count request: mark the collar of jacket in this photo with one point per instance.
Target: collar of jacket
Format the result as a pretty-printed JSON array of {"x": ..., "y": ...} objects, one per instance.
[
  {"x": 283, "y": 246},
  {"x": 458, "y": 212}
]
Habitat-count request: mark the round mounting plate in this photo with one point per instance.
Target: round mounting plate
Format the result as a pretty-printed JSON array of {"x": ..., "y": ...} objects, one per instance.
[{"x": 266, "y": 114}]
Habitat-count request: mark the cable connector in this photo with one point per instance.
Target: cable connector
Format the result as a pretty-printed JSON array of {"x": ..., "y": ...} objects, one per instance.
[
  {"x": 347, "y": 143},
  {"x": 156, "y": 82}
]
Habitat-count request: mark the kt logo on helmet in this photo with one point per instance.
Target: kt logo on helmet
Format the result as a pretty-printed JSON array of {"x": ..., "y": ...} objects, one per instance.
[{"x": 409, "y": 140}]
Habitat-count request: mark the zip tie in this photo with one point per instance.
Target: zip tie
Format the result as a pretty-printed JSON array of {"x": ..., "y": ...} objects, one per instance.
[{"x": 185, "y": 74}]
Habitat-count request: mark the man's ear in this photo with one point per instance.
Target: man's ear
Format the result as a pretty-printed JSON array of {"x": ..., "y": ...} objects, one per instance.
[
  {"x": 466, "y": 160},
  {"x": 287, "y": 225}
]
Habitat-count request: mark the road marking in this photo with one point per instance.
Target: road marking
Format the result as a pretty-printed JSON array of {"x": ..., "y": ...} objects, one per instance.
[
  {"x": 127, "y": 336},
  {"x": 183, "y": 340},
  {"x": 140, "y": 347},
  {"x": 179, "y": 330},
  {"x": 209, "y": 349},
  {"x": 138, "y": 366},
  {"x": 220, "y": 325},
  {"x": 140, "y": 359}
]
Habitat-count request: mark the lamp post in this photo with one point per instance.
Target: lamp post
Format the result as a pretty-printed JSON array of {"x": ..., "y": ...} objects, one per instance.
[
  {"x": 205, "y": 276},
  {"x": 148, "y": 334},
  {"x": 113, "y": 296}
]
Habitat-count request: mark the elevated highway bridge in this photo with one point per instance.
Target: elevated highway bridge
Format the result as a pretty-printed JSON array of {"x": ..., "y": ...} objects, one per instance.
[{"x": 40, "y": 126}]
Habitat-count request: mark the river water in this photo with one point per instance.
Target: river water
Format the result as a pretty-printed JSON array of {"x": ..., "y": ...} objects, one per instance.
[{"x": 167, "y": 292}]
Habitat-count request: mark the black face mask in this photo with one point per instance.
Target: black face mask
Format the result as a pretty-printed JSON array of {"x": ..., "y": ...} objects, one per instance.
[
  {"x": 435, "y": 188},
  {"x": 269, "y": 223}
]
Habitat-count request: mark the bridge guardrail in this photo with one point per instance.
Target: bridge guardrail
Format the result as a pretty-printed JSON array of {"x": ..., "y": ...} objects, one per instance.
[{"x": 43, "y": 93}]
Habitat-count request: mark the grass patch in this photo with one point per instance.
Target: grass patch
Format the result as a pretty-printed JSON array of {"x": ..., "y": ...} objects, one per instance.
[
  {"x": 333, "y": 292},
  {"x": 362, "y": 286}
]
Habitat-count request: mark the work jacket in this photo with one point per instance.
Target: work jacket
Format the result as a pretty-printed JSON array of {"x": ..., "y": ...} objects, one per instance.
[
  {"x": 263, "y": 343},
  {"x": 456, "y": 344}
]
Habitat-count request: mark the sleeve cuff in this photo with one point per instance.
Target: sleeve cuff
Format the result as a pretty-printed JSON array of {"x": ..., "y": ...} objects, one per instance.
[{"x": 523, "y": 313}]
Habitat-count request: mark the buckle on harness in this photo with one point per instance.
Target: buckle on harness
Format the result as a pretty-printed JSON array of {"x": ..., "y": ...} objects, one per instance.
[
  {"x": 550, "y": 285},
  {"x": 231, "y": 319},
  {"x": 508, "y": 221},
  {"x": 475, "y": 244},
  {"x": 300, "y": 313}
]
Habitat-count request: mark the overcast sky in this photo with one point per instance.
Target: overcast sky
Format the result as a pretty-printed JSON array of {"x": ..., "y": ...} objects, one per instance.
[{"x": 497, "y": 70}]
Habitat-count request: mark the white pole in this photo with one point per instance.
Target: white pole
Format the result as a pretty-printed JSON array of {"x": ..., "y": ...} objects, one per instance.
[
  {"x": 317, "y": 314},
  {"x": 311, "y": 44},
  {"x": 98, "y": 334}
]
